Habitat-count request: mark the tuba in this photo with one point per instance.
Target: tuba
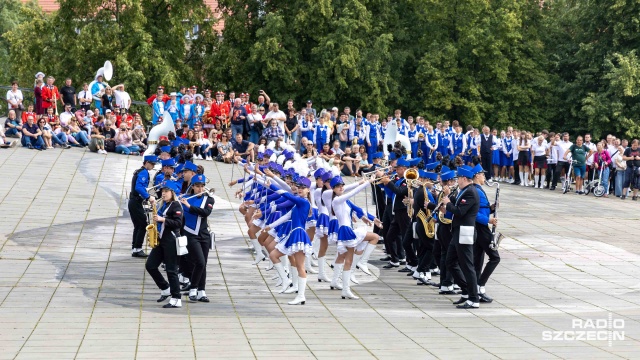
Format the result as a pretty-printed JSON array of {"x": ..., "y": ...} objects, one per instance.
[
  {"x": 411, "y": 176},
  {"x": 162, "y": 129},
  {"x": 392, "y": 135},
  {"x": 152, "y": 229}
]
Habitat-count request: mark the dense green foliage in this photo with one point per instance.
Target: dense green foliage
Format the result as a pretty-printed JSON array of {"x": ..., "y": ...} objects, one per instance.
[{"x": 562, "y": 64}]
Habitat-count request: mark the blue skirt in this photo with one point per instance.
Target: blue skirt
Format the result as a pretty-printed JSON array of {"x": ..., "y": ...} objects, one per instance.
[
  {"x": 496, "y": 157},
  {"x": 312, "y": 219},
  {"x": 506, "y": 160},
  {"x": 282, "y": 231},
  {"x": 296, "y": 240},
  {"x": 349, "y": 238},
  {"x": 333, "y": 230},
  {"x": 322, "y": 224}
]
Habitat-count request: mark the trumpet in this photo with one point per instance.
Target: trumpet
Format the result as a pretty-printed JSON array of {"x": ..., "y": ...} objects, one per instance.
[{"x": 372, "y": 175}]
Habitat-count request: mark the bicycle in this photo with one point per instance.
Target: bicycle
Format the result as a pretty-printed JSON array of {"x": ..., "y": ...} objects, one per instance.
[
  {"x": 595, "y": 185},
  {"x": 566, "y": 185}
]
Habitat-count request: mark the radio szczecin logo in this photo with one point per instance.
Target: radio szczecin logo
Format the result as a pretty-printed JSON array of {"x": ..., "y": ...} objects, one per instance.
[{"x": 589, "y": 330}]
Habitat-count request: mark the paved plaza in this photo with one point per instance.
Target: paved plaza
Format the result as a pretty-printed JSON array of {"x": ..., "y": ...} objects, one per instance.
[{"x": 69, "y": 287}]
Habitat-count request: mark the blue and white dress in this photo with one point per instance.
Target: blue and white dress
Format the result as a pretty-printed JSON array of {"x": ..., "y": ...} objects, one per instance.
[
  {"x": 347, "y": 237},
  {"x": 322, "y": 224},
  {"x": 297, "y": 238}
]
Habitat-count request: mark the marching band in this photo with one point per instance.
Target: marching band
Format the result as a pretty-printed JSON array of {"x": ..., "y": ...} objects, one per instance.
[{"x": 433, "y": 217}]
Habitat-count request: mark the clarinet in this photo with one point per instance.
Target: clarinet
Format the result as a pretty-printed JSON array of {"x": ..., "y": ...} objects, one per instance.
[{"x": 494, "y": 244}]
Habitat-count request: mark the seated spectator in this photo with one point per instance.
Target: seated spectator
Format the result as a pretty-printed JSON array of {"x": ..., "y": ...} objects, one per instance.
[
  {"x": 13, "y": 126},
  {"x": 139, "y": 138},
  {"x": 273, "y": 132},
  {"x": 310, "y": 150},
  {"x": 225, "y": 149},
  {"x": 50, "y": 138},
  {"x": 108, "y": 130},
  {"x": 214, "y": 137},
  {"x": 97, "y": 141},
  {"x": 32, "y": 135},
  {"x": 80, "y": 135},
  {"x": 326, "y": 152},
  {"x": 336, "y": 148},
  {"x": 4, "y": 143},
  {"x": 205, "y": 145},
  {"x": 124, "y": 143},
  {"x": 243, "y": 148},
  {"x": 364, "y": 164}
]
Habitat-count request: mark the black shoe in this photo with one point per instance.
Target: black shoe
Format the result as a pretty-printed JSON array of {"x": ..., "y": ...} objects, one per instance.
[
  {"x": 422, "y": 281},
  {"x": 623, "y": 197},
  {"x": 386, "y": 258},
  {"x": 466, "y": 305},
  {"x": 405, "y": 269},
  {"x": 140, "y": 254},
  {"x": 193, "y": 298},
  {"x": 163, "y": 298},
  {"x": 460, "y": 301},
  {"x": 391, "y": 265},
  {"x": 403, "y": 262},
  {"x": 410, "y": 273},
  {"x": 169, "y": 305},
  {"x": 447, "y": 292},
  {"x": 30, "y": 147},
  {"x": 436, "y": 273},
  {"x": 204, "y": 299},
  {"x": 635, "y": 198},
  {"x": 185, "y": 286},
  {"x": 484, "y": 298},
  {"x": 552, "y": 188}
]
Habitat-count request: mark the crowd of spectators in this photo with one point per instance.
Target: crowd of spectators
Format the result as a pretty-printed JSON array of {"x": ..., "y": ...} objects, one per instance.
[{"x": 225, "y": 128}]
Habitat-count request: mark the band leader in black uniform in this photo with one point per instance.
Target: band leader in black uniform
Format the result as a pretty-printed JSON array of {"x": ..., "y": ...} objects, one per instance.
[
  {"x": 197, "y": 208},
  {"x": 400, "y": 222},
  {"x": 139, "y": 193},
  {"x": 460, "y": 253},
  {"x": 169, "y": 221}
]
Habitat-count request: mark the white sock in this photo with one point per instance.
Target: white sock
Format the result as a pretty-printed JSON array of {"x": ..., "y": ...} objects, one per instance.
[
  {"x": 542, "y": 179},
  {"x": 166, "y": 291},
  {"x": 522, "y": 177}
]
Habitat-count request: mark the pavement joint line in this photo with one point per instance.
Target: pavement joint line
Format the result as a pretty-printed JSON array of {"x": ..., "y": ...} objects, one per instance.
[
  {"x": 224, "y": 279},
  {"x": 38, "y": 249},
  {"x": 95, "y": 303}
]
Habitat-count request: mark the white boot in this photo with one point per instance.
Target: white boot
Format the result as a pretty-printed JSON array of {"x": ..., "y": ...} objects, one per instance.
[
  {"x": 346, "y": 289},
  {"x": 363, "y": 264},
  {"x": 322, "y": 276},
  {"x": 294, "y": 281},
  {"x": 337, "y": 272},
  {"x": 307, "y": 264},
  {"x": 356, "y": 259},
  {"x": 286, "y": 282},
  {"x": 316, "y": 248},
  {"x": 300, "y": 299},
  {"x": 259, "y": 255}
]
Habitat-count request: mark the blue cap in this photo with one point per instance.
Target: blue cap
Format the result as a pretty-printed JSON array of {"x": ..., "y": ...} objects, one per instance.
[
  {"x": 319, "y": 173},
  {"x": 432, "y": 166},
  {"x": 392, "y": 156},
  {"x": 177, "y": 142},
  {"x": 190, "y": 166},
  {"x": 179, "y": 168},
  {"x": 378, "y": 155},
  {"x": 171, "y": 185},
  {"x": 166, "y": 149},
  {"x": 199, "y": 179},
  {"x": 150, "y": 158},
  {"x": 268, "y": 153},
  {"x": 288, "y": 154},
  {"x": 465, "y": 171},
  {"x": 304, "y": 182},
  {"x": 327, "y": 176},
  {"x": 477, "y": 169},
  {"x": 422, "y": 174},
  {"x": 428, "y": 175},
  {"x": 444, "y": 169},
  {"x": 336, "y": 181},
  {"x": 446, "y": 176},
  {"x": 414, "y": 162},
  {"x": 260, "y": 156},
  {"x": 289, "y": 172},
  {"x": 169, "y": 162},
  {"x": 402, "y": 162}
]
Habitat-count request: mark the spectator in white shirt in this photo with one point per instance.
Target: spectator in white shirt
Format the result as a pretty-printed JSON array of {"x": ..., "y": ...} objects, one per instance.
[
  {"x": 85, "y": 98},
  {"x": 14, "y": 99},
  {"x": 123, "y": 100},
  {"x": 276, "y": 114},
  {"x": 540, "y": 150},
  {"x": 592, "y": 147},
  {"x": 563, "y": 165}
]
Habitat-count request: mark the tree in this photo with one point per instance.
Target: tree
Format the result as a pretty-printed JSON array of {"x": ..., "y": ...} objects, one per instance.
[{"x": 12, "y": 14}]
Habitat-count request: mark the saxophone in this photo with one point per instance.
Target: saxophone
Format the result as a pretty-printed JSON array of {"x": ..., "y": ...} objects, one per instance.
[
  {"x": 152, "y": 229},
  {"x": 428, "y": 222}
]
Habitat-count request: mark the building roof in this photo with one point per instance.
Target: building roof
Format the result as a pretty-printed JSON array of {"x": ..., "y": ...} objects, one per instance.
[{"x": 52, "y": 5}]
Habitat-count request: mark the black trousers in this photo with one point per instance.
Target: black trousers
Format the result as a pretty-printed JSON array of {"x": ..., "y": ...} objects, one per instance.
[
  {"x": 481, "y": 247},
  {"x": 379, "y": 200},
  {"x": 386, "y": 224},
  {"x": 440, "y": 248},
  {"x": 408, "y": 246},
  {"x": 166, "y": 253},
  {"x": 556, "y": 174},
  {"x": 139, "y": 220},
  {"x": 399, "y": 225},
  {"x": 551, "y": 171},
  {"x": 486, "y": 160},
  {"x": 516, "y": 172},
  {"x": 460, "y": 264},
  {"x": 424, "y": 247},
  {"x": 198, "y": 257}
]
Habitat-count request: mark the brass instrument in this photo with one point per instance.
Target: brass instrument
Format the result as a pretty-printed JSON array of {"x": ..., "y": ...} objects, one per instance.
[
  {"x": 496, "y": 238},
  {"x": 411, "y": 176},
  {"x": 428, "y": 221},
  {"x": 152, "y": 228},
  {"x": 354, "y": 141},
  {"x": 55, "y": 102},
  {"x": 444, "y": 220}
]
